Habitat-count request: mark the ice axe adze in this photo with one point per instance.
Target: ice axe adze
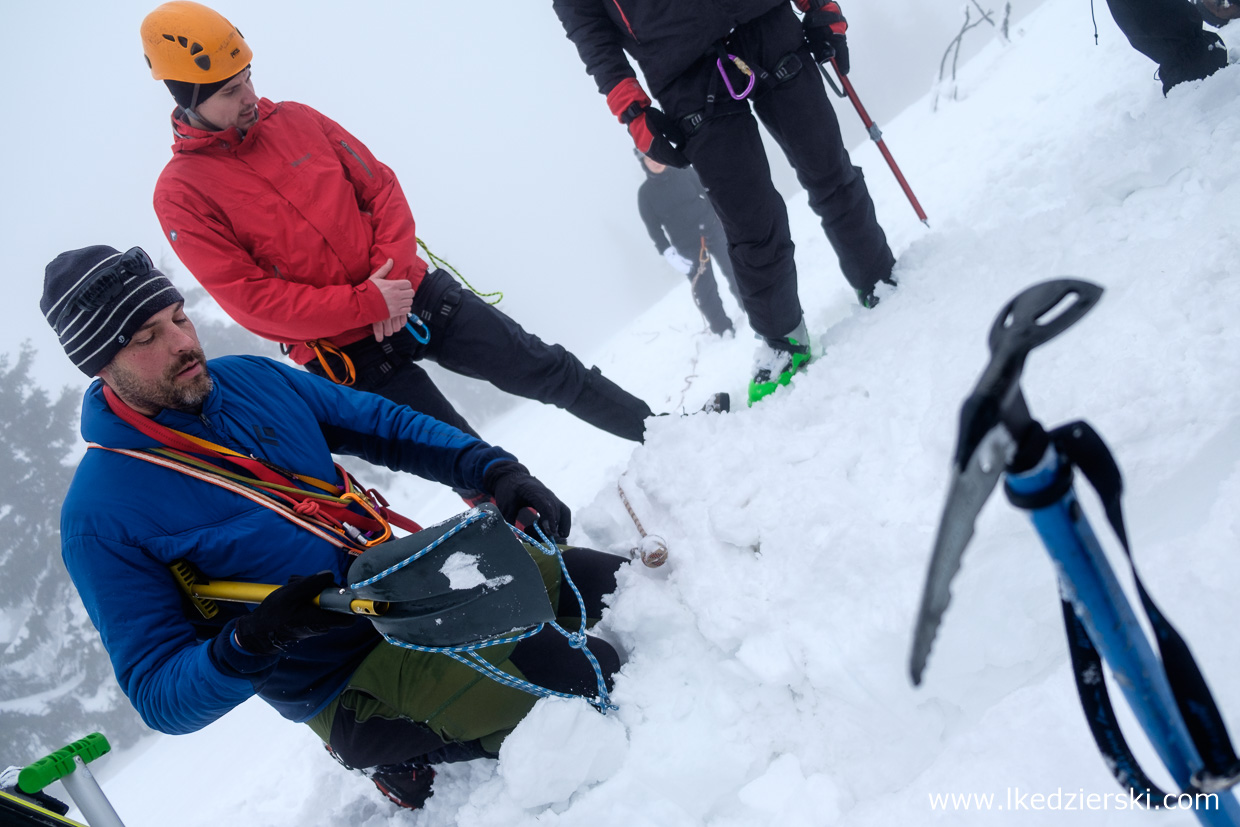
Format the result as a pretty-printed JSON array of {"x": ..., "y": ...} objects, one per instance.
[
  {"x": 465, "y": 580},
  {"x": 876, "y": 134}
]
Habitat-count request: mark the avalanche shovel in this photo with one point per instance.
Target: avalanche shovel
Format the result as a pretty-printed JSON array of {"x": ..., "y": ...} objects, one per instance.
[{"x": 462, "y": 581}]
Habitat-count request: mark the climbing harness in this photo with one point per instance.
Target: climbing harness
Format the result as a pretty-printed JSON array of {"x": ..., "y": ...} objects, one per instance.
[
  {"x": 416, "y": 327},
  {"x": 467, "y": 653},
  {"x": 331, "y": 514}
]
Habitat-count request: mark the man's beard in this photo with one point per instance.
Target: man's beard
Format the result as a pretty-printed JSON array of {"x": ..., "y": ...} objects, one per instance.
[{"x": 185, "y": 396}]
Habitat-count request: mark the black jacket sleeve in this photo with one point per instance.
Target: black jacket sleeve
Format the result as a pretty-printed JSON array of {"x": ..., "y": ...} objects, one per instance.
[{"x": 598, "y": 40}]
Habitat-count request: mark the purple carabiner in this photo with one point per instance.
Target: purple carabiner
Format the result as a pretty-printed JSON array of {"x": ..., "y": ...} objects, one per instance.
[{"x": 728, "y": 83}]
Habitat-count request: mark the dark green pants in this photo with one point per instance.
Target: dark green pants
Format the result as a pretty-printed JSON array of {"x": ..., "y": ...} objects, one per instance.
[{"x": 403, "y": 705}]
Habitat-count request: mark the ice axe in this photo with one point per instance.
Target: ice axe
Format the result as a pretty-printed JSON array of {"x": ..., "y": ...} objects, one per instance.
[
  {"x": 876, "y": 134},
  {"x": 462, "y": 581},
  {"x": 1166, "y": 691}
]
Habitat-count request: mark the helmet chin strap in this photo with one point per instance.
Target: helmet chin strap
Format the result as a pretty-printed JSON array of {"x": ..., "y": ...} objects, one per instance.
[{"x": 199, "y": 119}]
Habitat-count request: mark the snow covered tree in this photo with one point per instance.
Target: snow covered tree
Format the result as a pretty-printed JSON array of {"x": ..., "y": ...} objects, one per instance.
[{"x": 56, "y": 683}]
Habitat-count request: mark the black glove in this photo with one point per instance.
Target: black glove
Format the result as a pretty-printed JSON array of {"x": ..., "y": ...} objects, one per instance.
[
  {"x": 825, "y": 29},
  {"x": 289, "y": 615},
  {"x": 513, "y": 488}
]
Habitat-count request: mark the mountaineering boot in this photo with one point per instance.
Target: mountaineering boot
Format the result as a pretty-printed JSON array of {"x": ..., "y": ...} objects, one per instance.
[
  {"x": 867, "y": 299},
  {"x": 776, "y": 361},
  {"x": 610, "y": 408},
  {"x": 405, "y": 785},
  {"x": 719, "y": 403},
  {"x": 1206, "y": 57}
]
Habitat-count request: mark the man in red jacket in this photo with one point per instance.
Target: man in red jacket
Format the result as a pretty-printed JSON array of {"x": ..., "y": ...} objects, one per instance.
[{"x": 305, "y": 238}]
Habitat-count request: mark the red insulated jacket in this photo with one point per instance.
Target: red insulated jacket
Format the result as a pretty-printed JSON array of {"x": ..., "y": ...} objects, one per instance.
[{"x": 284, "y": 225}]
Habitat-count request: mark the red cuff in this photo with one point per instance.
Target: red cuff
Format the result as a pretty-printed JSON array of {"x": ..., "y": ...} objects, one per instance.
[
  {"x": 623, "y": 95},
  {"x": 842, "y": 26}
]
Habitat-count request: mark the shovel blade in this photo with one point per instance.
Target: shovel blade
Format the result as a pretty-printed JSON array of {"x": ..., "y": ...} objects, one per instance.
[{"x": 477, "y": 584}]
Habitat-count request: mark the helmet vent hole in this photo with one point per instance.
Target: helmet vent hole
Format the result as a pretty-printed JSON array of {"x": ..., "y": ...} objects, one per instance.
[
  {"x": 170, "y": 37},
  {"x": 195, "y": 49},
  {"x": 203, "y": 62},
  {"x": 182, "y": 41}
]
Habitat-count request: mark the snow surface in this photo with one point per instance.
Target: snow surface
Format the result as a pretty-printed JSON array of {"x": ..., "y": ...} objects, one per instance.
[{"x": 767, "y": 680}]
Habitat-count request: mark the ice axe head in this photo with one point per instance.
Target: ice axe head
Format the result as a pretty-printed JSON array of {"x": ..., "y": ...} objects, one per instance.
[
  {"x": 463, "y": 581},
  {"x": 996, "y": 431}
]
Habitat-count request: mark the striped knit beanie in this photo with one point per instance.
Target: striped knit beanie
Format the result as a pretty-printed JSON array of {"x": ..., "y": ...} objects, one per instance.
[{"x": 96, "y": 298}]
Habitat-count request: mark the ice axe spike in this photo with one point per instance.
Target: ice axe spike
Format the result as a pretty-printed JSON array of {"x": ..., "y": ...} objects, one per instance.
[{"x": 994, "y": 421}]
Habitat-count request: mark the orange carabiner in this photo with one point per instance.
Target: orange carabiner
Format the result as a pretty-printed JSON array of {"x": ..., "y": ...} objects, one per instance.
[{"x": 353, "y": 496}]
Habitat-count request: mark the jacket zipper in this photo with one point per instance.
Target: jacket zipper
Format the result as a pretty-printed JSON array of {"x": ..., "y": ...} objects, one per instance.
[{"x": 358, "y": 157}]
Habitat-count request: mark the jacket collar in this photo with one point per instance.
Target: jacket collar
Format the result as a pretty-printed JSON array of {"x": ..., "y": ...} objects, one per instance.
[
  {"x": 187, "y": 138},
  {"x": 102, "y": 426}
]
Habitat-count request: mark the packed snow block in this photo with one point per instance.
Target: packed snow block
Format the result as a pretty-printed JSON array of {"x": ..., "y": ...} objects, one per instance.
[{"x": 590, "y": 748}]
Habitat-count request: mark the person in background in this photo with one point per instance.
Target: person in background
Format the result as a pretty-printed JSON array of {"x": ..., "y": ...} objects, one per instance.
[
  {"x": 687, "y": 233},
  {"x": 712, "y": 67}
]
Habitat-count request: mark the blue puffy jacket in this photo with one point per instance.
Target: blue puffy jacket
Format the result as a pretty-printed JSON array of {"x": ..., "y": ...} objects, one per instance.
[{"x": 124, "y": 520}]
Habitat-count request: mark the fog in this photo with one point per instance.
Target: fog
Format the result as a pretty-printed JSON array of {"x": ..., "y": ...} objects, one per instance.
[{"x": 516, "y": 172}]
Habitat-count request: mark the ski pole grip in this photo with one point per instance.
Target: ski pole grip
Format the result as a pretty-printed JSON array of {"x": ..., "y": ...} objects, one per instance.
[{"x": 59, "y": 764}]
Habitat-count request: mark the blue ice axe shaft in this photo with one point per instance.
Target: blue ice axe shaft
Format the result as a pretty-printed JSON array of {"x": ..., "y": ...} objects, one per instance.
[{"x": 1090, "y": 584}]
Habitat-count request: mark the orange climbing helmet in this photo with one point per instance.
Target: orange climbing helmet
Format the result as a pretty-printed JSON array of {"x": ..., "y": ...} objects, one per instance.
[{"x": 188, "y": 42}]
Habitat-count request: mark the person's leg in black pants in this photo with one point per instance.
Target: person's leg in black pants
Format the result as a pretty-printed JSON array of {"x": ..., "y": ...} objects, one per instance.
[
  {"x": 1169, "y": 33},
  {"x": 800, "y": 118},
  {"x": 472, "y": 338},
  {"x": 727, "y": 153},
  {"x": 717, "y": 246}
]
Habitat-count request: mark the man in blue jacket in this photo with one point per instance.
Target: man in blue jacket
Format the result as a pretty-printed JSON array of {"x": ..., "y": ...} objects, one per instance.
[{"x": 166, "y": 429}]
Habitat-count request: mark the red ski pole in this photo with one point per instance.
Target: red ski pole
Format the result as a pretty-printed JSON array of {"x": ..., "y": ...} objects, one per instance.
[{"x": 875, "y": 133}]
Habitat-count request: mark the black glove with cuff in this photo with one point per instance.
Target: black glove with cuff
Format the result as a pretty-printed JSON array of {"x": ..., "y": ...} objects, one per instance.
[
  {"x": 288, "y": 615},
  {"x": 514, "y": 488},
  {"x": 825, "y": 29}
]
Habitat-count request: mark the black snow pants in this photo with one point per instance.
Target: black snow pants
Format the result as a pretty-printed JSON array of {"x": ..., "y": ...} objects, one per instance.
[
  {"x": 726, "y": 150},
  {"x": 472, "y": 338},
  {"x": 1168, "y": 32}
]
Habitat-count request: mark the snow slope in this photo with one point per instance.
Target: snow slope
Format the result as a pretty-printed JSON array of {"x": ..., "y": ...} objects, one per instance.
[{"x": 767, "y": 680}]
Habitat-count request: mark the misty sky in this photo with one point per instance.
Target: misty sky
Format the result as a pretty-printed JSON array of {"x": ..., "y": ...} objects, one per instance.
[{"x": 516, "y": 172}]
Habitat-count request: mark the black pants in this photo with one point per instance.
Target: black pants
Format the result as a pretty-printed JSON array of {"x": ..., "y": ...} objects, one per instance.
[
  {"x": 1168, "y": 32},
  {"x": 472, "y": 338},
  {"x": 726, "y": 150}
]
